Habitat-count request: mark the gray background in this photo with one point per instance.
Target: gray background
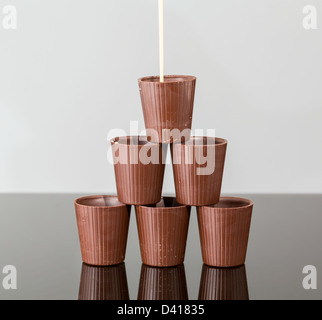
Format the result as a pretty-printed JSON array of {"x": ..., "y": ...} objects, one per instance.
[{"x": 68, "y": 75}]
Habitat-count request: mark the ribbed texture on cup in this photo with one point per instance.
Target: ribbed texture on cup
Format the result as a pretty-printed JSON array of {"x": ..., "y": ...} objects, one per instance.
[
  {"x": 103, "y": 233},
  {"x": 193, "y": 189},
  {"x": 103, "y": 283},
  {"x": 138, "y": 184},
  {"x": 167, "y": 105},
  {"x": 163, "y": 283},
  {"x": 224, "y": 235},
  {"x": 162, "y": 234},
  {"x": 223, "y": 284}
]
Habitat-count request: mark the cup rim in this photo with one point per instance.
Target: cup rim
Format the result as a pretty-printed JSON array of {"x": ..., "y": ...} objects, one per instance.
[
  {"x": 217, "y": 141},
  {"x": 179, "y": 206},
  {"x": 123, "y": 140},
  {"x": 168, "y": 78},
  {"x": 249, "y": 203},
  {"x": 76, "y": 201}
]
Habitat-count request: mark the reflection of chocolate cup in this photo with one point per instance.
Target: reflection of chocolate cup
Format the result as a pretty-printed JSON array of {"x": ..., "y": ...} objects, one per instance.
[
  {"x": 139, "y": 170},
  {"x": 163, "y": 230},
  {"x": 198, "y": 181},
  {"x": 163, "y": 283},
  {"x": 103, "y": 224},
  {"x": 103, "y": 283},
  {"x": 223, "y": 284},
  {"x": 167, "y": 106},
  {"x": 224, "y": 230}
]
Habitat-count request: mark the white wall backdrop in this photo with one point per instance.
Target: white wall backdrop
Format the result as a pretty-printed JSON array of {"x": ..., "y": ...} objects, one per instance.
[{"x": 68, "y": 75}]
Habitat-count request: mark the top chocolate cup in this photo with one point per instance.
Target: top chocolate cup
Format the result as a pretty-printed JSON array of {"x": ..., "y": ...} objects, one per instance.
[
  {"x": 139, "y": 169},
  {"x": 168, "y": 107}
]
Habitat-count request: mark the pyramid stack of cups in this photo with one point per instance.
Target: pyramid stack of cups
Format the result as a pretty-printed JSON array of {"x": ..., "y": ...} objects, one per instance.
[{"x": 162, "y": 222}]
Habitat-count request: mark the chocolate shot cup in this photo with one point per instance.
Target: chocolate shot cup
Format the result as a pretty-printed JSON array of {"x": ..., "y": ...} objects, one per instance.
[
  {"x": 198, "y": 167},
  {"x": 224, "y": 231},
  {"x": 103, "y": 224},
  {"x": 163, "y": 283},
  {"x": 103, "y": 283},
  {"x": 168, "y": 107},
  {"x": 223, "y": 284},
  {"x": 139, "y": 169},
  {"x": 163, "y": 230}
]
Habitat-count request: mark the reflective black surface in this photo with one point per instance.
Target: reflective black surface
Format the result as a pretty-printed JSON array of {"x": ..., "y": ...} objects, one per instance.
[{"x": 38, "y": 235}]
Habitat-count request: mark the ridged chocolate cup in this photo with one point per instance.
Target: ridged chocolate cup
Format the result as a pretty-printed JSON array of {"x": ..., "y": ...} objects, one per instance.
[
  {"x": 103, "y": 283},
  {"x": 167, "y": 106},
  {"x": 193, "y": 189},
  {"x": 224, "y": 231},
  {"x": 103, "y": 224},
  {"x": 223, "y": 284},
  {"x": 163, "y": 283},
  {"x": 163, "y": 230},
  {"x": 138, "y": 182}
]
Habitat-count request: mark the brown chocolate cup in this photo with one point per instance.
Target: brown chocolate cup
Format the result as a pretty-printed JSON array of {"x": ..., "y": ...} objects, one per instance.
[
  {"x": 167, "y": 106},
  {"x": 139, "y": 169},
  {"x": 103, "y": 283},
  {"x": 224, "y": 230},
  {"x": 223, "y": 284},
  {"x": 163, "y": 283},
  {"x": 103, "y": 224},
  {"x": 194, "y": 187},
  {"x": 163, "y": 230}
]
